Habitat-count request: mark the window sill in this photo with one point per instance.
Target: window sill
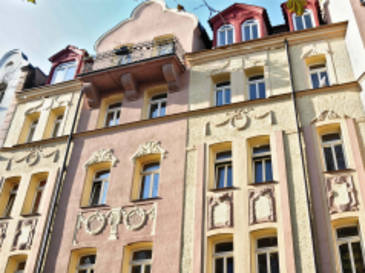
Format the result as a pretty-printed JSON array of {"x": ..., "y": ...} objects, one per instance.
[
  {"x": 5, "y": 218},
  {"x": 95, "y": 207},
  {"x": 146, "y": 200},
  {"x": 340, "y": 171},
  {"x": 224, "y": 189},
  {"x": 30, "y": 215},
  {"x": 264, "y": 183}
]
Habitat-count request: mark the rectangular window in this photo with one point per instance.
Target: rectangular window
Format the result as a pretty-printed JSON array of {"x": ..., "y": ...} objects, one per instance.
[
  {"x": 222, "y": 93},
  {"x": 141, "y": 261},
  {"x": 86, "y": 264},
  {"x": 223, "y": 258},
  {"x": 267, "y": 255},
  {"x": 11, "y": 200},
  {"x": 150, "y": 177},
  {"x": 20, "y": 267},
  {"x": 262, "y": 165},
  {"x": 38, "y": 196},
  {"x": 257, "y": 87},
  {"x": 157, "y": 106},
  {"x": 32, "y": 130},
  {"x": 333, "y": 152},
  {"x": 319, "y": 76},
  {"x": 304, "y": 21},
  {"x": 99, "y": 188},
  {"x": 57, "y": 126},
  {"x": 223, "y": 170},
  {"x": 112, "y": 115}
]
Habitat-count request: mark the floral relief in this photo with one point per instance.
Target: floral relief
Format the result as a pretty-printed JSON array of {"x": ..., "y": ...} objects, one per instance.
[
  {"x": 327, "y": 114},
  {"x": 262, "y": 205},
  {"x": 24, "y": 235},
  {"x": 220, "y": 210},
  {"x": 50, "y": 103},
  {"x": 103, "y": 155},
  {"x": 150, "y": 147}
]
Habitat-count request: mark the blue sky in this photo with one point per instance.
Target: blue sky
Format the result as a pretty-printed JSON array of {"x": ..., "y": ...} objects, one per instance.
[{"x": 43, "y": 29}]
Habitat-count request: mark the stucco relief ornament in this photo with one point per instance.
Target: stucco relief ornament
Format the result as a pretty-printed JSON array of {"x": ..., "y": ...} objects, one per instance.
[
  {"x": 327, "y": 114},
  {"x": 136, "y": 217},
  {"x": 3, "y": 228},
  {"x": 341, "y": 194},
  {"x": 220, "y": 208},
  {"x": 33, "y": 156},
  {"x": 253, "y": 62},
  {"x": 150, "y": 147},
  {"x": 24, "y": 235},
  {"x": 52, "y": 102},
  {"x": 314, "y": 51},
  {"x": 262, "y": 205},
  {"x": 103, "y": 155}
]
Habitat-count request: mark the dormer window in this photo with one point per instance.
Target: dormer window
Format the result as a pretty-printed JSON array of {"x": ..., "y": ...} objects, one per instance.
[
  {"x": 225, "y": 35},
  {"x": 303, "y": 22},
  {"x": 64, "y": 72},
  {"x": 250, "y": 30}
]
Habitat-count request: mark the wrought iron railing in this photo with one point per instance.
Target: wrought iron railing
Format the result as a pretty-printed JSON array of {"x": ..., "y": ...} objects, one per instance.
[{"x": 130, "y": 54}]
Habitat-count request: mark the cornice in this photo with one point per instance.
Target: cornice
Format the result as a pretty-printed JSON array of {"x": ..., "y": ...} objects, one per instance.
[
  {"x": 269, "y": 42},
  {"x": 361, "y": 78},
  {"x": 48, "y": 90},
  {"x": 43, "y": 142}
]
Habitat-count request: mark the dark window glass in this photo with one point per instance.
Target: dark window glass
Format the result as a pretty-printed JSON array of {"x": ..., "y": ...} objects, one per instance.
[
  {"x": 308, "y": 21},
  {"x": 224, "y": 247},
  {"x": 262, "y": 90},
  {"x": 159, "y": 97},
  {"x": 267, "y": 242},
  {"x": 247, "y": 33},
  {"x": 229, "y": 176},
  {"x": 258, "y": 171},
  {"x": 347, "y": 232},
  {"x": 262, "y": 263},
  {"x": 110, "y": 119},
  {"x": 147, "y": 269},
  {"x": 154, "y": 111},
  {"x": 227, "y": 98},
  {"x": 96, "y": 191},
  {"x": 268, "y": 170},
  {"x": 345, "y": 259},
  {"x": 163, "y": 109},
  {"x": 358, "y": 259},
  {"x": 253, "y": 92},
  {"x": 340, "y": 157},
  {"x": 88, "y": 260},
  {"x": 299, "y": 22},
  {"x": 330, "y": 165},
  {"x": 37, "y": 201},
  {"x": 151, "y": 167},
  {"x": 219, "y": 98},
  {"x": 274, "y": 262},
  {"x": 142, "y": 255},
  {"x": 315, "y": 80},
  {"x": 324, "y": 75},
  {"x": 224, "y": 155},
  {"x": 261, "y": 149},
  {"x": 222, "y": 84},
  {"x": 222, "y": 38},
  {"x": 230, "y": 36},
  {"x": 257, "y": 77},
  {"x": 219, "y": 265},
  {"x": 146, "y": 184},
  {"x": 221, "y": 176},
  {"x": 9, "y": 206},
  {"x": 255, "y": 32},
  {"x": 21, "y": 266},
  {"x": 230, "y": 265},
  {"x": 331, "y": 137},
  {"x": 137, "y": 269}
]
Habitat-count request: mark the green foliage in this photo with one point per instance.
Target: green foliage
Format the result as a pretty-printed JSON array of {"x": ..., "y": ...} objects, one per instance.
[
  {"x": 296, "y": 6},
  {"x": 32, "y": 1}
]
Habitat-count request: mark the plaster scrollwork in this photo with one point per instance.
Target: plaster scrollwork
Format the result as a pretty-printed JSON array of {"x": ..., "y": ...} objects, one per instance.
[
  {"x": 150, "y": 147},
  {"x": 220, "y": 211},
  {"x": 32, "y": 157},
  {"x": 341, "y": 194},
  {"x": 103, "y": 155},
  {"x": 3, "y": 228},
  {"x": 50, "y": 103},
  {"x": 262, "y": 205},
  {"x": 327, "y": 114},
  {"x": 314, "y": 51},
  {"x": 24, "y": 235},
  {"x": 135, "y": 218},
  {"x": 238, "y": 120},
  {"x": 227, "y": 66},
  {"x": 254, "y": 62}
]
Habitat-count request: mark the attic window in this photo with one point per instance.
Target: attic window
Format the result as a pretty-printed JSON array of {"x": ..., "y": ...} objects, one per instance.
[
  {"x": 9, "y": 64},
  {"x": 225, "y": 35},
  {"x": 64, "y": 72},
  {"x": 303, "y": 22}
]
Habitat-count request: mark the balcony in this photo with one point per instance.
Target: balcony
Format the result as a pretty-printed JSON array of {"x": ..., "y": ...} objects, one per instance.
[{"x": 126, "y": 67}]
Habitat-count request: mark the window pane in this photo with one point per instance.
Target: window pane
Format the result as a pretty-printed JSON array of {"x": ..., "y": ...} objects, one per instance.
[
  {"x": 255, "y": 32},
  {"x": 299, "y": 22},
  {"x": 21, "y": 266},
  {"x": 154, "y": 111},
  {"x": 274, "y": 262},
  {"x": 142, "y": 255},
  {"x": 224, "y": 155},
  {"x": 60, "y": 75},
  {"x": 227, "y": 98},
  {"x": 31, "y": 134},
  {"x": 117, "y": 105},
  {"x": 247, "y": 33},
  {"x": 262, "y": 263},
  {"x": 222, "y": 84},
  {"x": 117, "y": 116},
  {"x": 224, "y": 247},
  {"x": 55, "y": 129},
  {"x": 88, "y": 260},
  {"x": 96, "y": 190},
  {"x": 258, "y": 171},
  {"x": 146, "y": 184},
  {"x": 308, "y": 21},
  {"x": 105, "y": 190},
  {"x": 159, "y": 97},
  {"x": 147, "y": 269},
  {"x": 230, "y": 36},
  {"x": 82, "y": 271},
  {"x": 347, "y": 232},
  {"x": 267, "y": 242},
  {"x": 330, "y": 165},
  {"x": 315, "y": 80},
  {"x": 324, "y": 75},
  {"x": 156, "y": 179},
  {"x": 109, "y": 119},
  {"x": 340, "y": 157},
  {"x": 345, "y": 258},
  {"x": 37, "y": 201},
  {"x": 358, "y": 259},
  {"x": 222, "y": 38},
  {"x": 70, "y": 74},
  {"x": 219, "y": 98},
  {"x": 230, "y": 265},
  {"x": 229, "y": 176},
  {"x": 151, "y": 167},
  {"x": 268, "y": 170},
  {"x": 262, "y": 90},
  {"x": 221, "y": 173},
  {"x": 102, "y": 174},
  {"x": 261, "y": 149},
  {"x": 137, "y": 269},
  {"x": 9, "y": 206},
  {"x": 219, "y": 264},
  {"x": 331, "y": 137},
  {"x": 253, "y": 91},
  {"x": 163, "y": 109}
]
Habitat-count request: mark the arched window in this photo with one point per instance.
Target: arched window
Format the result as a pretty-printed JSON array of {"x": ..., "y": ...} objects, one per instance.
[
  {"x": 225, "y": 35},
  {"x": 64, "y": 72},
  {"x": 250, "y": 30},
  {"x": 304, "y": 21}
]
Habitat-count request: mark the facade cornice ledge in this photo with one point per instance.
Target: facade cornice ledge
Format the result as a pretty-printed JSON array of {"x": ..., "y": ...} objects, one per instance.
[
  {"x": 270, "y": 42},
  {"x": 59, "y": 140},
  {"x": 48, "y": 90},
  {"x": 361, "y": 78}
]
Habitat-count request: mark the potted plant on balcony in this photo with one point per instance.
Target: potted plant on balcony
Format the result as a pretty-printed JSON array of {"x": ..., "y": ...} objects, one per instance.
[{"x": 296, "y": 6}]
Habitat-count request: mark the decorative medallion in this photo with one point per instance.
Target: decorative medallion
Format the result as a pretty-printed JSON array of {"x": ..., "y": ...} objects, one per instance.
[
  {"x": 24, "y": 235},
  {"x": 103, "y": 155},
  {"x": 3, "y": 228},
  {"x": 136, "y": 217},
  {"x": 341, "y": 194},
  {"x": 327, "y": 114},
  {"x": 262, "y": 205},
  {"x": 150, "y": 147},
  {"x": 220, "y": 210}
]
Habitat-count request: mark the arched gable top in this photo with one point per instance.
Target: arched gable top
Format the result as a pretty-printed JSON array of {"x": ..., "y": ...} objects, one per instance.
[
  {"x": 148, "y": 20},
  {"x": 15, "y": 52}
]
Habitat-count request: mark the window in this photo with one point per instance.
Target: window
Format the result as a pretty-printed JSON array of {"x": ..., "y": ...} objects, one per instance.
[
  {"x": 303, "y": 22},
  {"x": 112, "y": 114},
  {"x": 99, "y": 188},
  {"x": 20, "y": 267},
  {"x": 141, "y": 261},
  {"x": 38, "y": 196},
  {"x": 86, "y": 264},
  {"x": 16, "y": 264},
  {"x": 267, "y": 255},
  {"x": 10, "y": 203},
  {"x": 225, "y": 35},
  {"x": 223, "y": 257},
  {"x": 223, "y": 93},
  {"x": 257, "y": 87},
  {"x": 157, "y": 107},
  {"x": 223, "y": 170},
  {"x": 57, "y": 126},
  {"x": 350, "y": 249},
  {"x": 32, "y": 129},
  {"x": 250, "y": 30},
  {"x": 333, "y": 152},
  {"x": 262, "y": 166},
  {"x": 319, "y": 75},
  {"x": 150, "y": 177},
  {"x": 64, "y": 72}
]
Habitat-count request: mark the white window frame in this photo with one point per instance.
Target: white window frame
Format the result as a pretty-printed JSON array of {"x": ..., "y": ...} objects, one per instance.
[
  {"x": 223, "y": 89},
  {"x": 332, "y": 144},
  {"x": 159, "y": 103},
  {"x": 349, "y": 241},
  {"x": 224, "y": 29},
  {"x": 267, "y": 251},
  {"x": 66, "y": 66},
  {"x": 32, "y": 126},
  {"x": 145, "y": 173},
  {"x": 254, "y": 159},
  {"x": 20, "y": 271},
  {"x": 222, "y": 163},
  {"x": 97, "y": 180},
  {"x": 114, "y": 111},
  {"x": 250, "y": 23},
  {"x": 12, "y": 191},
  {"x": 307, "y": 11},
  {"x": 143, "y": 263},
  {"x": 58, "y": 122},
  {"x": 318, "y": 72},
  {"x": 39, "y": 189},
  {"x": 88, "y": 268},
  {"x": 224, "y": 255},
  {"x": 256, "y": 82}
]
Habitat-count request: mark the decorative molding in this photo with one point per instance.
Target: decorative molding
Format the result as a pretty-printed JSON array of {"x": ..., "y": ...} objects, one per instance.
[
  {"x": 150, "y": 147},
  {"x": 24, "y": 235},
  {"x": 314, "y": 51},
  {"x": 35, "y": 108},
  {"x": 172, "y": 77},
  {"x": 103, "y": 155},
  {"x": 92, "y": 94},
  {"x": 253, "y": 62},
  {"x": 190, "y": 149},
  {"x": 52, "y": 102},
  {"x": 254, "y": 196},
  {"x": 3, "y": 228},
  {"x": 33, "y": 156},
  {"x": 131, "y": 86},
  {"x": 327, "y": 114},
  {"x": 135, "y": 218},
  {"x": 341, "y": 194},
  {"x": 227, "y": 67},
  {"x": 220, "y": 211}
]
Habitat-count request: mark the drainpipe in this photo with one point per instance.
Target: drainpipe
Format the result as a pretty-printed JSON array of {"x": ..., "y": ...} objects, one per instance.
[
  {"x": 297, "y": 121},
  {"x": 51, "y": 215}
]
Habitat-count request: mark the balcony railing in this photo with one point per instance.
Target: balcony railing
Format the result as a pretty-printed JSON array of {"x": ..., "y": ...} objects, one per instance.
[{"x": 130, "y": 54}]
